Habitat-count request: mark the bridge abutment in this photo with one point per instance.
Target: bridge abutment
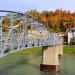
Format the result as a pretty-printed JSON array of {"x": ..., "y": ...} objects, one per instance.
[
  {"x": 50, "y": 60},
  {"x": 60, "y": 51}
]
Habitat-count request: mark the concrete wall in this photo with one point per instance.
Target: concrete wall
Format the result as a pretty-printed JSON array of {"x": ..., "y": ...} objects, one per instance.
[
  {"x": 50, "y": 56},
  {"x": 50, "y": 59}
]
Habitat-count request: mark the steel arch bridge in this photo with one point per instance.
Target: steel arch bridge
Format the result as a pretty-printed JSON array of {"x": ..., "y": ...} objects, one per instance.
[{"x": 19, "y": 31}]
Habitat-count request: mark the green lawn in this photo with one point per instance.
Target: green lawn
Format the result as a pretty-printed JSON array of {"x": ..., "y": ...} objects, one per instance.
[
  {"x": 70, "y": 49},
  {"x": 20, "y": 55},
  {"x": 20, "y": 63},
  {"x": 35, "y": 50}
]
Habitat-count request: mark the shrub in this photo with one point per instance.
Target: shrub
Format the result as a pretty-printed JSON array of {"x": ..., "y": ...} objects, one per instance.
[{"x": 73, "y": 41}]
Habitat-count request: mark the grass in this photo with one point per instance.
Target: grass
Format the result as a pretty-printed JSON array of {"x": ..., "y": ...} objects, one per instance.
[
  {"x": 23, "y": 54},
  {"x": 25, "y": 62},
  {"x": 70, "y": 49},
  {"x": 20, "y": 55},
  {"x": 35, "y": 50},
  {"x": 18, "y": 62}
]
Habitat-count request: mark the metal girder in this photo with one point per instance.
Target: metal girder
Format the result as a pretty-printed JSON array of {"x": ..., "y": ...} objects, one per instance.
[{"x": 23, "y": 37}]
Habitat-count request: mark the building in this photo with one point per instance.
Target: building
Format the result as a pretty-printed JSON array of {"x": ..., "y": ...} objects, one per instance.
[
  {"x": 61, "y": 35},
  {"x": 71, "y": 34}
]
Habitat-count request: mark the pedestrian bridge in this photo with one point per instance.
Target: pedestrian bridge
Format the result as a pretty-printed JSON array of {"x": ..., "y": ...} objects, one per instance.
[{"x": 19, "y": 31}]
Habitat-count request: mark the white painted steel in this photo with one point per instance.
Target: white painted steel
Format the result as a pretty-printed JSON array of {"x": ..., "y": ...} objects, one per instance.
[{"x": 20, "y": 37}]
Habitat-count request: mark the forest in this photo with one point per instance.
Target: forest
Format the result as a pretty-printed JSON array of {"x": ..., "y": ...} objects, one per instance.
[{"x": 58, "y": 20}]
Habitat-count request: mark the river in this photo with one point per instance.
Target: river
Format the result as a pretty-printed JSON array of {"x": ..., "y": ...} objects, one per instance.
[{"x": 18, "y": 64}]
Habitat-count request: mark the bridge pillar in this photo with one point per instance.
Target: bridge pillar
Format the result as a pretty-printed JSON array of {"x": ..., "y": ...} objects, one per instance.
[
  {"x": 60, "y": 51},
  {"x": 50, "y": 61},
  {"x": 60, "y": 48}
]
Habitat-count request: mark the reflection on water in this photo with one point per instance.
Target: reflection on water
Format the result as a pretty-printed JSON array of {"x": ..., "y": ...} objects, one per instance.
[{"x": 29, "y": 65}]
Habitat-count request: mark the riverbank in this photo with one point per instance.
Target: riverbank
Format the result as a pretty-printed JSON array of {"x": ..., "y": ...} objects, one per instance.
[
  {"x": 37, "y": 51},
  {"x": 28, "y": 61},
  {"x": 69, "y": 49}
]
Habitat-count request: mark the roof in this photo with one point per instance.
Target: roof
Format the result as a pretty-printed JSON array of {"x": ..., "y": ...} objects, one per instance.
[{"x": 72, "y": 29}]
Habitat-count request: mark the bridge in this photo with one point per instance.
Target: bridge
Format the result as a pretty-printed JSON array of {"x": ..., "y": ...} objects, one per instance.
[{"x": 19, "y": 31}]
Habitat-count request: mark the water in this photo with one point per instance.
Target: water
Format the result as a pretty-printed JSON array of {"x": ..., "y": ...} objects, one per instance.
[{"x": 19, "y": 64}]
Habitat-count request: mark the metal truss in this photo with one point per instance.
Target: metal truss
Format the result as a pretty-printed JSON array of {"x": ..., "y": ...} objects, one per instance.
[{"x": 28, "y": 32}]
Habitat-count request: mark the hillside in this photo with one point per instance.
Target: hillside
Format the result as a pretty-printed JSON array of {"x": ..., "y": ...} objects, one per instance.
[{"x": 58, "y": 20}]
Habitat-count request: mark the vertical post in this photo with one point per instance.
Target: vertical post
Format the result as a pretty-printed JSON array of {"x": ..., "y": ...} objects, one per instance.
[
  {"x": 1, "y": 44},
  {"x": 31, "y": 32},
  {"x": 27, "y": 32},
  {"x": 11, "y": 33},
  {"x": 40, "y": 35},
  {"x": 18, "y": 39},
  {"x": 24, "y": 29},
  {"x": 37, "y": 32}
]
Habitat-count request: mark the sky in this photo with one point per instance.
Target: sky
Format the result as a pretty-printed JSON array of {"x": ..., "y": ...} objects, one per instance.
[{"x": 40, "y": 5}]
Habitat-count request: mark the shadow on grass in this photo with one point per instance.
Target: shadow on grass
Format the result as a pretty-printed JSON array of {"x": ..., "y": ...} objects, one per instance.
[
  {"x": 8, "y": 67},
  {"x": 5, "y": 70}
]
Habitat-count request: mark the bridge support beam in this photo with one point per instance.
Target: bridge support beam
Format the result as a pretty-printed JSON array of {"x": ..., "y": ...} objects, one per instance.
[{"x": 50, "y": 61}]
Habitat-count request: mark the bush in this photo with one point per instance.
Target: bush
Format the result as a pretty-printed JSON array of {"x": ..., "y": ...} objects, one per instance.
[{"x": 73, "y": 41}]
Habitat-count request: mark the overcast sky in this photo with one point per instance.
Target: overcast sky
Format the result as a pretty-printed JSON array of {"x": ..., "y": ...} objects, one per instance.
[{"x": 40, "y": 5}]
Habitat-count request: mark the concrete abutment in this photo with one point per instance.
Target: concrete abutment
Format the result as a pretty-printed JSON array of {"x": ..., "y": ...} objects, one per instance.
[{"x": 50, "y": 58}]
